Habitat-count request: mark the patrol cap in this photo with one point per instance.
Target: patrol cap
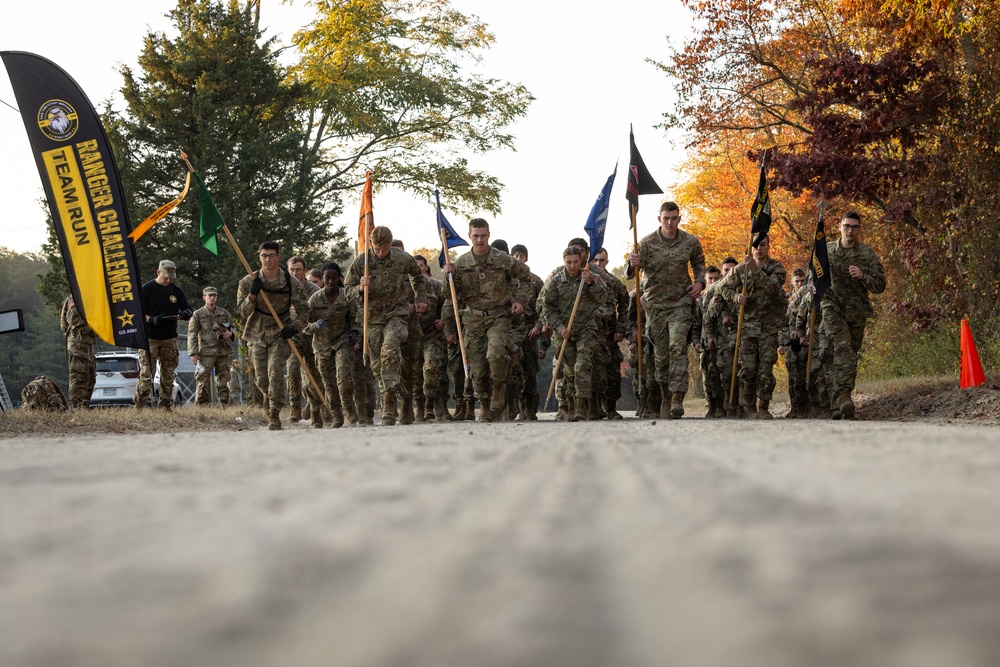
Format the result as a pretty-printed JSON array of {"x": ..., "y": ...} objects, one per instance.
[
  {"x": 210, "y": 290},
  {"x": 168, "y": 268}
]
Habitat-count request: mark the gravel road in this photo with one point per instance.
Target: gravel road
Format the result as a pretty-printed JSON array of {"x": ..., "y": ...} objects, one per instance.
[{"x": 712, "y": 543}]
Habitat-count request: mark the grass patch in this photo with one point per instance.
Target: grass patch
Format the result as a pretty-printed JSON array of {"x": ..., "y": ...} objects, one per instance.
[{"x": 28, "y": 423}]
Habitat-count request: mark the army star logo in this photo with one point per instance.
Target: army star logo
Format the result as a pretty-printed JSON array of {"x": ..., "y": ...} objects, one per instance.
[{"x": 126, "y": 318}]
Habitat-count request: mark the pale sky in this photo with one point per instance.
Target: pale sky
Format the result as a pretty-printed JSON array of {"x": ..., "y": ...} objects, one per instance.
[{"x": 585, "y": 66}]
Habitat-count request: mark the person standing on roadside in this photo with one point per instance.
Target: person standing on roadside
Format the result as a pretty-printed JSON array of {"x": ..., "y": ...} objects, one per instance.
[
  {"x": 164, "y": 304},
  {"x": 210, "y": 342},
  {"x": 80, "y": 339}
]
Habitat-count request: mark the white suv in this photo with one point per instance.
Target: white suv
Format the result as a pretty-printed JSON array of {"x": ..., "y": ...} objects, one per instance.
[{"x": 117, "y": 376}]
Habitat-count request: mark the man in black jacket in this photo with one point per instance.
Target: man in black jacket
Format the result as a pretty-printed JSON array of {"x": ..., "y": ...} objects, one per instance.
[{"x": 164, "y": 303}]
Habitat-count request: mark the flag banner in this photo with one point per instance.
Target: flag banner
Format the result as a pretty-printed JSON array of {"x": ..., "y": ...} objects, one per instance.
[
  {"x": 451, "y": 236},
  {"x": 81, "y": 184},
  {"x": 160, "y": 213},
  {"x": 210, "y": 221},
  {"x": 597, "y": 221},
  {"x": 819, "y": 267},
  {"x": 367, "y": 215},
  {"x": 760, "y": 212},
  {"x": 972, "y": 374},
  {"x": 640, "y": 181}
]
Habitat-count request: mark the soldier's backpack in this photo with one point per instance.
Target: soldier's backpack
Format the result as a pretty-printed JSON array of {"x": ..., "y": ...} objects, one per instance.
[{"x": 43, "y": 394}]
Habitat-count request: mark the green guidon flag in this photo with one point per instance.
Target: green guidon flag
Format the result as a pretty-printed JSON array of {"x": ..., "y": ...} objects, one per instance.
[{"x": 210, "y": 220}]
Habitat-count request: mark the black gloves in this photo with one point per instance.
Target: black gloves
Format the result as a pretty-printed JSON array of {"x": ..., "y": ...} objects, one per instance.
[
  {"x": 796, "y": 345},
  {"x": 256, "y": 286},
  {"x": 185, "y": 314},
  {"x": 154, "y": 320},
  {"x": 353, "y": 337},
  {"x": 288, "y": 332}
]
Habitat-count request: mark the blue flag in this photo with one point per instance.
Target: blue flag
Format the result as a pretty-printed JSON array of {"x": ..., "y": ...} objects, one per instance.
[
  {"x": 451, "y": 236},
  {"x": 597, "y": 222}
]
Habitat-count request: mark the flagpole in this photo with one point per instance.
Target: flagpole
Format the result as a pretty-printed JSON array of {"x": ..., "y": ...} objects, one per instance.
[
  {"x": 809, "y": 354},
  {"x": 364, "y": 336},
  {"x": 454, "y": 307},
  {"x": 739, "y": 329},
  {"x": 562, "y": 348},
  {"x": 638, "y": 295},
  {"x": 267, "y": 302}
]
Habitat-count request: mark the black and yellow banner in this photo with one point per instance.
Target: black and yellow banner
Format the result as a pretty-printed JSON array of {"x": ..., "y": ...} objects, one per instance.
[{"x": 81, "y": 184}]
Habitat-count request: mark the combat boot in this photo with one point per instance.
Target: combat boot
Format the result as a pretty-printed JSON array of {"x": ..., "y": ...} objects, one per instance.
[
  {"x": 389, "y": 408},
  {"x": 748, "y": 399},
  {"x": 307, "y": 411},
  {"x": 762, "y": 410},
  {"x": 640, "y": 409},
  {"x": 720, "y": 409},
  {"x": 498, "y": 399},
  {"x": 677, "y": 405},
  {"x": 846, "y": 405},
  {"x": 470, "y": 410},
  {"x": 710, "y": 414},
  {"x": 562, "y": 414},
  {"x": 316, "y": 418},
  {"x": 274, "y": 420},
  {"x": 597, "y": 403},
  {"x": 459, "y": 411},
  {"x": 351, "y": 413},
  {"x": 296, "y": 415},
  {"x": 664, "y": 411},
  {"x": 419, "y": 413},
  {"x": 485, "y": 414},
  {"x": 593, "y": 411},
  {"x": 582, "y": 412},
  {"x": 439, "y": 408},
  {"x": 406, "y": 415},
  {"x": 611, "y": 406},
  {"x": 531, "y": 412}
]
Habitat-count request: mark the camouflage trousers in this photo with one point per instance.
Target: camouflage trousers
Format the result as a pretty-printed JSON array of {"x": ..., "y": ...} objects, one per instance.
[
  {"x": 529, "y": 373},
  {"x": 296, "y": 378},
  {"x": 385, "y": 345},
  {"x": 668, "y": 331},
  {"x": 821, "y": 378},
  {"x": 712, "y": 376},
  {"x": 758, "y": 355},
  {"x": 165, "y": 352},
  {"x": 336, "y": 368},
  {"x": 203, "y": 393},
  {"x": 488, "y": 342},
  {"x": 364, "y": 387},
  {"x": 613, "y": 370},
  {"x": 412, "y": 364},
  {"x": 82, "y": 372},
  {"x": 795, "y": 364},
  {"x": 578, "y": 363},
  {"x": 434, "y": 365},
  {"x": 461, "y": 385},
  {"x": 269, "y": 362},
  {"x": 724, "y": 362},
  {"x": 845, "y": 336}
]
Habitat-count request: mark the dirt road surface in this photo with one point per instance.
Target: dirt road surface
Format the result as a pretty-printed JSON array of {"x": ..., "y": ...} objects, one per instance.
[{"x": 699, "y": 543}]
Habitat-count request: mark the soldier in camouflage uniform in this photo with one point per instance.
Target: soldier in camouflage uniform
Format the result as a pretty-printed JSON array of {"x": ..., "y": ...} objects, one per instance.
[
  {"x": 395, "y": 285},
  {"x": 484, "y": 283},
  {"x": 856, "y": 271},
  {"x": 268, "y": 339},
  {"x": 333, "y": 327},
  {"x": 433, "y": 350},
  {"x": 710, "y": 344},
  {"x": 527, "y": 331},
  {"x": 411, "y": 370},
  {"x": 794, "y": 353},
  {"x": 80, "y": 339},
  {"x": 820, "y": 384},
  {"x": 558, "y": 296},
  {"x": 665, "y": 257},
  {"x": 764, "y": 318},
  {"x": 210, "y": 342},
  {"x": 616, "y": 330},
  {"x": 296, "y": 377}
]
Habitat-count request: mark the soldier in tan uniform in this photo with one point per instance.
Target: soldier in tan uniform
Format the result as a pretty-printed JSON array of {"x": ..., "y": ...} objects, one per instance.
[
  {"x": 394, "y": 283},
  {"x": 80, "y": 339},
  {"x": 488, "y": 300},
  {"x": 210, "y": 342},
  {"x": 665, "y": 257},
  {"x": 266, "y": 338}
]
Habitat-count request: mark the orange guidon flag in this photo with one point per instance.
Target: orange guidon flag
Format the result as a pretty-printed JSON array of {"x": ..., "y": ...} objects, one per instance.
[
  {"x": 161, "y": 212},
  {"x": 366, "y": 220}
]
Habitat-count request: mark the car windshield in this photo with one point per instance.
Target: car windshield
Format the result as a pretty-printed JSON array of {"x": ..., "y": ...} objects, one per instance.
[{"x": 118, "y": 365}]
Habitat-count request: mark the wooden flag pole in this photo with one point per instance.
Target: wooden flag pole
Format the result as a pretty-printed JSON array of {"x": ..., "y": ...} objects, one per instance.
[
  {"x": 739, "y": 329},
  {"x": 562, "y": 348},
  {"x": 454, "y": 308},
  {"x": 364, "y": 334},
  {"x": 638, "y": 294},
  {"x": 267, "y": 302},
  {"x": 809, "y": 354}
]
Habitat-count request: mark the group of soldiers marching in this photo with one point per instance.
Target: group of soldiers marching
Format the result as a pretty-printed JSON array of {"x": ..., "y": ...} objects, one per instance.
[{"x": 305, "y": 331}]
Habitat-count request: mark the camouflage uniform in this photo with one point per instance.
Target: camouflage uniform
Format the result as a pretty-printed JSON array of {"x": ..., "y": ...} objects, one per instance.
[
  {"x": 80, "y": 339},
  {"x": 411, "y": 370},
  {"x": 558, "y": 296},
  {"x": 433, "y": 353},
  {"x": 710, "y": 357},
  {"x": 268, "y": 349},
  {"x": 665, "y": 265},
  {"x": 795, "y": 362},
  {"x": 764, "y": 316},
  {"x": 527, "y": 374},
  {"x": 333, "y": 350},
  {"x": 204, "y": 330},
  {"x": 296, "y": 377},
  {"x": 615, "y": 325},
  {"x": 485, "y": 290},
  {"x": 820, "y": 385},
  {"x": 389, "y": 298},
  {"x": 846, "y": 310}
]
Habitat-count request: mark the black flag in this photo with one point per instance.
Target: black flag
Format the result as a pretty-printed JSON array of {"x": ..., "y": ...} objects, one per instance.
[
  {"x": 81, "y": 184},
  {"x": 640, "y": 181},
  {"x": 819, "y": 267},
  {"x": 760, "y": 212}
]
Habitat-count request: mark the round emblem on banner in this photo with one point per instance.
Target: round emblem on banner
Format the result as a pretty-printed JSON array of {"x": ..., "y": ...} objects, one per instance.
[{"x": 58, "y": 120}]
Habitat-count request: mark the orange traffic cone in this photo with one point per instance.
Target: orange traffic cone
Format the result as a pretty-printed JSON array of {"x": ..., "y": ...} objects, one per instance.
[{"x": 972, "y": 370}]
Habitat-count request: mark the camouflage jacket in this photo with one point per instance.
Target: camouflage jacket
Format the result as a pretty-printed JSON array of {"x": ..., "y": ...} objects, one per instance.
[
  {"x": 713, "y": 317},
  {"x": 204, "y": 330},
  {"x": 524, "y": 322},
  {"x": 339, "y": 316},
  {"x": 802, "y": 314},
  {"x": 766, "y": 307},
  {"x": 72, "y": 324},
  {"x": 559, "y": 295},
  {"x": 396, "y": 281},
  {"x": 665, "y": 263},
  {"x": 847, "y": 294},
  {"x": 435, "y": 302},
  {"x": 486, "y": 286},
  {"x": 283, "y": 293},
  {"x": 794, "y": 303}
]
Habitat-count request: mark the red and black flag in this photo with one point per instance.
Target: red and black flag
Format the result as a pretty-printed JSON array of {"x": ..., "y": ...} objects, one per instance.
[
  {"x": 84, "y": 192},
  {"x": 819, "y": 267},
  {"x": 760, "y": 212},
  {"x": 640, "y": 181}
]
